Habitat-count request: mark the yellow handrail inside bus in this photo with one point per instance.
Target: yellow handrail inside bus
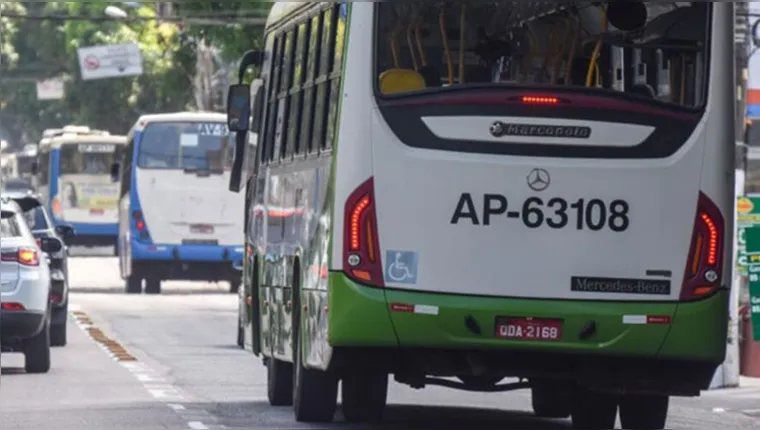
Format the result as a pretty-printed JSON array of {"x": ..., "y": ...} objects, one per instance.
[
  {"x": 409, "y": 30},
  {"x": 597, "y": 49},
  {"x": 446, "y": 47}
]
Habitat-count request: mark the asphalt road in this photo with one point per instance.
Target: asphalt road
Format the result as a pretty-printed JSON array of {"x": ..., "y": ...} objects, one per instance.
[{"x": 189, "y": 374}]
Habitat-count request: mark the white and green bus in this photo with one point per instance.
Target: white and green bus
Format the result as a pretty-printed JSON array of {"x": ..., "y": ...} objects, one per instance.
[{"x": 489, "y": 196}]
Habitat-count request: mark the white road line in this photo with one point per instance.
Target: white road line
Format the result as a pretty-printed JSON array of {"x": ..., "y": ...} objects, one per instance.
[
  {"x": 718, "y": 410},
  {"x": 176, "y": 407},
  {"x": 197, "y": 425}
]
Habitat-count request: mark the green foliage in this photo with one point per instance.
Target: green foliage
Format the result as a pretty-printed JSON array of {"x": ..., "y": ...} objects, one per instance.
[
  {"x": 233, "y": 39},
  {"x": 111, "y": 104}
]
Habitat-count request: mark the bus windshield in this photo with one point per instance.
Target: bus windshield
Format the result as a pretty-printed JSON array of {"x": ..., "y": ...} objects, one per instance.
[
  {"x": 89, "y": 158},
  {"x": 188, "y": 146},
  {"x": 424, "y": 47},
  {"x": 25, "y": 163}
]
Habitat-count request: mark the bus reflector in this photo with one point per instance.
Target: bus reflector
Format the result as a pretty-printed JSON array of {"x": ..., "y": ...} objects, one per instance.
[
  {"x": 361, "y": 250},
  {"x": 705, "y": 262}
]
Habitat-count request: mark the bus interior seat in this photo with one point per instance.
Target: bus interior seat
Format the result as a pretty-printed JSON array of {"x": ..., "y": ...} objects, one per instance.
[
  {"x": 401, "y": 80},
  {"x": 644, "y": 90}
]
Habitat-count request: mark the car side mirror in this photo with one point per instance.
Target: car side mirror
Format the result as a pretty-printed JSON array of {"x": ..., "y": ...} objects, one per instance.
[
  {"x": 238, "y": 107},
  {"x": 115, "y": 172},
  {"x": 65, "y": 231},
  {"x": 50, "y": 245}
]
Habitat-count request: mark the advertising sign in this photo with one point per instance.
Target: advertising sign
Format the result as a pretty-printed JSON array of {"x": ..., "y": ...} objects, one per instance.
[{"x": 110, "y": 61}]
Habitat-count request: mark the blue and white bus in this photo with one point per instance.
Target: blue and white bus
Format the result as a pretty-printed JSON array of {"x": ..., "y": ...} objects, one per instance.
[
  {"x": 72, "y": 176},
  {"x": 174, "y": 223}
]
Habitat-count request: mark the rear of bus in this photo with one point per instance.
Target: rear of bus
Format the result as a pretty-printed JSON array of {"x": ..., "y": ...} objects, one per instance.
[
  {"x": 182, "y": 227},
  {"x": 519, "y": 214},
  {"x": 81, "y": 191}
]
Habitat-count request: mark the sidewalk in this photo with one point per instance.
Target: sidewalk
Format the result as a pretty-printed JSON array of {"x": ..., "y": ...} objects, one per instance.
[{"x": 747, "y": 382}]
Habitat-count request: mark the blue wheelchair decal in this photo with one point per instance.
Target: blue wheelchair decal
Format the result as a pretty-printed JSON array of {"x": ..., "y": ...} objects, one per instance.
[{"x": 401, "y": 267}]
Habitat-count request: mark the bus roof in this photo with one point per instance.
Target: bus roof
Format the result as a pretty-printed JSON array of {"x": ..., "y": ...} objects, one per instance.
[
  {"x": 282, "y": 10},
  {"x": 144, "y": 120},
  {"x": 57, "y": 141}
]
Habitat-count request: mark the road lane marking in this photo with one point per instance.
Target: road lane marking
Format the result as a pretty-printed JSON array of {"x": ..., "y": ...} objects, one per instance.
[
  {"x": 176, "y": 407},
  {"x": 197, "y": 425}
]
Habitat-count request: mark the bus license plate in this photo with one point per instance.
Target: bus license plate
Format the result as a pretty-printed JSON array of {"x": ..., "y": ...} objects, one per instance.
[
  {"x": 528, "y": 329},
  {"x": 202, "y": 228},
  {"x": 96, "y": 211}
]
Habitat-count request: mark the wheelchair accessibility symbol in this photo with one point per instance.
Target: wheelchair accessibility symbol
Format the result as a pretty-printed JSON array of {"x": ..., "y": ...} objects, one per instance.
[{"x": 401, "y": 267}]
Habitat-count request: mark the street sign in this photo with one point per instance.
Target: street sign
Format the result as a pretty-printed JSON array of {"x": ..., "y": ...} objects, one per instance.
[
  {"x": 748, "y": 215},
  {"x": 752, "y": 237},
  {"x": 110, "y": 61},
  {"x": 50, "y": 89}
]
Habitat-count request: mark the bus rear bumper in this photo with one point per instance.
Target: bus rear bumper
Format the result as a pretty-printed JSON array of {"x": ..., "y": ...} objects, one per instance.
[
  {"x": 447, "y": 335},
  {"x": 189, "y": 262}
]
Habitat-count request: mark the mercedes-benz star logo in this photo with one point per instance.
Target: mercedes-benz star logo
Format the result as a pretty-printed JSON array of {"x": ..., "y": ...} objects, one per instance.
[
  {"x": 497, "y": 129},
  {"x": 539, "y": 179}
]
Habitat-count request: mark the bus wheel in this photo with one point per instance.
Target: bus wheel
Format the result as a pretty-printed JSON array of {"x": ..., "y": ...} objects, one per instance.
[
  {"x": 592, "y": 410},
  {"x": 279, "y": 382},
  {"x": 364, "y": 393},
  {"x": 152, "y": 286},
  {"x": 134, "y": 284},
  {"x": 551, "y": 399},
  {"x": 641, "y": 412},
  {"x": 315, "y": 393},
  {"x": 235, "y": 286}
]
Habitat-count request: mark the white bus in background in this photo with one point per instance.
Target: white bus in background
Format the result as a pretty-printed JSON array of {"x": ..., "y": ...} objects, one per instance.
[
  {"x": 491, "y": 190},
  {"x": 175, "y": 220}
]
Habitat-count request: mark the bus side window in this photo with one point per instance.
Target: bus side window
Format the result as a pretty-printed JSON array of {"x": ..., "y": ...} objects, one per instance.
[
  {"x": 272, "y": 114},
  {"x": 44, "y": 167},
  {"x": 323, "y": 81},
  {"x": 126, "y": 168},
  {"x": 307, "y": 119},
  {"x": 339, "y": 28},
  {"x": 283, "y": 105},
  {"x": 295, "y": 98}
]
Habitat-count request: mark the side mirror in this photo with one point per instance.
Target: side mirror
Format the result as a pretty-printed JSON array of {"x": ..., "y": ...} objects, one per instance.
[
  {"x": 115, "y": 172},
  {"x": 238, "y": 107},
  {"x": 65, "y": 231},
  {"x": 258, "y": 105},
  {"x": 49, "y": 245}
]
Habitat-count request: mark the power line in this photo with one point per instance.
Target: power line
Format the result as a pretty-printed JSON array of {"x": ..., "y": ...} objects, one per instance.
[{"x": 230, "y": 19}]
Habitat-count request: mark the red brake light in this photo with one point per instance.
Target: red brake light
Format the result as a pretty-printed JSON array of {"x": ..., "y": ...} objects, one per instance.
[
  {"x": 361, "y": 249},
  {"x": 705, "y": 263},
  {"x": 540, "y": 100},
  {"x": 140, "y": 225},
  {"x": 12, "y": 306}
]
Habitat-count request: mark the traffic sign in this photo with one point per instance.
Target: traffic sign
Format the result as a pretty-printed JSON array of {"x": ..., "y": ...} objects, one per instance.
[{"x": 110, "y": 61}]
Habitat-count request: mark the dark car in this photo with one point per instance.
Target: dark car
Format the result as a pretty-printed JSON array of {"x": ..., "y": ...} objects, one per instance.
[{"x": 39, "y": 223}]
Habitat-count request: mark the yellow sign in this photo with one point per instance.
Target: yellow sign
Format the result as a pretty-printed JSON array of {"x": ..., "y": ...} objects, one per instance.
[{"x": 744, "y": 205}]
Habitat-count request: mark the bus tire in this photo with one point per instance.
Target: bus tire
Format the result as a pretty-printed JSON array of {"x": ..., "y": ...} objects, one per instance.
[
  {"x": 643, "y": 412},
  {"x": 235, "y": 286},
  {"x": 279, "y": 382},
  {"x": 315, "y": 392},
  {"x": 593, "y": 410},
  {"x": 134, "y": 284},
  {"x": 364, "y": 394},
  {"x": 551, "y": 399},
  {"x": 152, "y": 286}
]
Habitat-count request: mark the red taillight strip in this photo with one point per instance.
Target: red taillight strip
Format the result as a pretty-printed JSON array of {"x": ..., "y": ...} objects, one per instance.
[
  {"x": 361, "y": 249},
  {"x": 704, "y": 265}
]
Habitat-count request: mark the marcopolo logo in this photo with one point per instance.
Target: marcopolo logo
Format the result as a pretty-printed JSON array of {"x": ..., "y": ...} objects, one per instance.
[
  {"x": 501, "y": 129},
  {"x": 620, "y": 286},
  {"x": 744, "y": 206}
]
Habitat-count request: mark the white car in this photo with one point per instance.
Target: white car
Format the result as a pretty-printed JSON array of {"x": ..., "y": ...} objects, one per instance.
[{"x": 25, "y": 306}]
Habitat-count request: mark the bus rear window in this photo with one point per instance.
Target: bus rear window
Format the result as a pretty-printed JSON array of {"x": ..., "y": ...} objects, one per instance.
[
  {"x": 186, "y": 145},
  {"x": 89, "y": 158},
  {"x": 655, "y": 50}
]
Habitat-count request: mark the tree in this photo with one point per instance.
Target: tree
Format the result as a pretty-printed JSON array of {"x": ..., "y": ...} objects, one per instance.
[{"x": 50, "y": 47}]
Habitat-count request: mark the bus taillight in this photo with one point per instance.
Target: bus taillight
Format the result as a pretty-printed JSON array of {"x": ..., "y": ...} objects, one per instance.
[
  {"x": 705, "y": 263},
  {"x": 361, "y": 249}
]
